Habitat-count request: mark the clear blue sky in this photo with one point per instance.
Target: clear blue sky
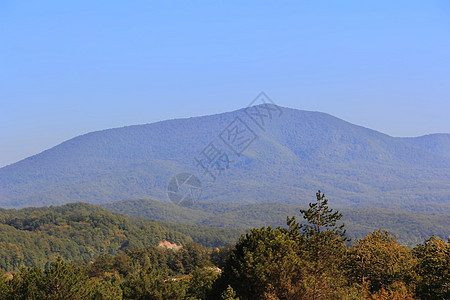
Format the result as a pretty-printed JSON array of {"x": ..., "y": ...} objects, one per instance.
[{"x": 71, "y": 67}]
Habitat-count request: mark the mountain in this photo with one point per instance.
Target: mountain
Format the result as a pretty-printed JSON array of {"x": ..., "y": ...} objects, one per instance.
[
  {"x": 435, "y": 143},
  {"x": 410, "y": 228},
  {"x": 280, "y": 155}
]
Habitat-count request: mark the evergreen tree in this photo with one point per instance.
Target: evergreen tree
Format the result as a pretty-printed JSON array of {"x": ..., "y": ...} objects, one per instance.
[
  {"x": 27, "y": 284},
  {"x": 200, "y": 282},
  {"x": 324, "y": 244},
  {"x": 301, "y": 262},
  {"x": 107, "y": 288},
  {"x": 152, "y": 284},
  {"x": 63, "y": 281}
]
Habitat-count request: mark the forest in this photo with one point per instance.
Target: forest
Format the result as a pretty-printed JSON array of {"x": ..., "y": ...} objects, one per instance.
[
  {"x": 313, "y": 259},
  {"x": 81, "y": 232},
  {"x": 410, "y": 228}
]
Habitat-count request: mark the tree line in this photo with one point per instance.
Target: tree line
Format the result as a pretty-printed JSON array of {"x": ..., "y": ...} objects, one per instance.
[{"x": 304, "y": 260}]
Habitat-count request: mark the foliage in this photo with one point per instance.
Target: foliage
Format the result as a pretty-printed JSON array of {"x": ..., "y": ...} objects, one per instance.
[
  {"x": 410, "y": 228},
  {"x": 152, "y": 284},
  {"x": 301, "y": 262},
  {"x": 434, "y": 269},
  {"x": 229, "y": 294},
  {"x": 201, "y": 281},
  {"x": 81, "y": 232},
  {"x": 308, "y": 260},
  {"x": 325, "y": 248},
  {"x": 59, "y": 281},
  {"x": 381, "y": 261}
]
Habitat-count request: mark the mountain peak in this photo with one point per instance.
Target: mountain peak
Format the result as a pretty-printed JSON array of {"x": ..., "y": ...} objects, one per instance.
[{"x": 282, "y": 156}]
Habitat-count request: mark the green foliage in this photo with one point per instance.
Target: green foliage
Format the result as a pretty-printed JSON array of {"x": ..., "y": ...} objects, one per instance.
[
  {"x": 308, "y": 260},
  {"x": 201, "y": 281},
  {"x": 81, "y": 232},
  {"x": 3, "y": 285},
  {"x": 265, "y": 261},
  {"x": 152, "y": 284},
  {"x": 381, "y": 261},
  {"x": 107, "y": 289},
  {"x": 229, "y": 294},
  {"x": 411, "y": 228},
  {"x": 324, "y": 243},
  {"x": 434, "y": 269},
  {"x": 26, "y": 284},
  {"x": 59, "y": 281},
  {"x": 302, "y": 261},
  {"x": 321, "y": 219},
  {"x": 63, "y": 281},
  {"x": 219, "y": 256},
  {"x": 207, "y": 236}
]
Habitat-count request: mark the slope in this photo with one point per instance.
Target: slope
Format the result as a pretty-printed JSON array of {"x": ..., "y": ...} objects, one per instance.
[
  {"x": 435, "y": 143},
  {"x": 82, "y": 232},
  {"x": 292, "y": 155},
  {"x": 411, "y": 228}
]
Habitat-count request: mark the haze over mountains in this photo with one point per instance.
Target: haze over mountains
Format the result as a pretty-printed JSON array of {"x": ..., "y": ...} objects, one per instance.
[{"x": 292, "y": 156}]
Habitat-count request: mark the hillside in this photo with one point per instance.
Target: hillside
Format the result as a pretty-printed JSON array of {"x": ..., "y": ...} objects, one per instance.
[
  {"x": 82, "y": 232},
  {"x": 435, "y": 143},
  {"x": 292, "y": 155},
  {"x": 411, "y": 228}
]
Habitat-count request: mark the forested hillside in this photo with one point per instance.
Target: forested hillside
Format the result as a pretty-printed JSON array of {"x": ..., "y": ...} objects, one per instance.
[
  {"x": 293, "y": 153},
  {"x": 410, "y": 228},
  {"x": 302, "y": 261},
  {"x": 82, "y": 232},
  {"x": 437, "y": 143}
]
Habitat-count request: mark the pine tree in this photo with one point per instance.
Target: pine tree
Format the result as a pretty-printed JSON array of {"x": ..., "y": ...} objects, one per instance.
[
  {"x": 325, "y": 247},
  {"x": 63, "y": 281}
]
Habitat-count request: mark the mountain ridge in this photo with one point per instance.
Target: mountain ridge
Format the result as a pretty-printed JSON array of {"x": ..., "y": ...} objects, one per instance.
[{"x": 297, "y": 152}]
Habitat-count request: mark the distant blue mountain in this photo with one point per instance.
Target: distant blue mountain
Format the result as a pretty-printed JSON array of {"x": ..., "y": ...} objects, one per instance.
[
  {"x": 272, "y": 158},
  {"x": 436, "y": 143}
]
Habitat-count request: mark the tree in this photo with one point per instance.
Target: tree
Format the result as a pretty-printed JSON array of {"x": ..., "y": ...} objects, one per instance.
[
  {"x": 265, "y": 261},
  {"x": 229, "y": 294},
  {"x": 201, "y": 281},
  {"x": 63, "y": 281},
  {"x": 3, "y": 285},
  {"x": 325, "y": 249},
  {"x": 381, "y": 261},
  {"x": 107, "y": 288},
  {"x": 152, "y": 284},
  {"x": 433, "y": 268},
  {"x": 27, "y": 284},
  {"x": 301, "y": 262}
]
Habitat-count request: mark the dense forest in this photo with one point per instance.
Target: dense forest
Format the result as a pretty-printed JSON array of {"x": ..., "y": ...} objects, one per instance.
[
  {"x": 80, "y": 232},
  {"x": 410, "y": 228},
  {"x": 302, "y": 260}
]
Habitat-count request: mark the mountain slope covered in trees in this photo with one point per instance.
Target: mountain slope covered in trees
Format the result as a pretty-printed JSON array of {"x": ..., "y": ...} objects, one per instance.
[
  {"x": 292, "y": 154},
  {"x": 437, "y": 143},
  {"x": 81, "y": 232},
  {"x": 410, "y": 228},
  {"x": 301, "y": 260}
]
